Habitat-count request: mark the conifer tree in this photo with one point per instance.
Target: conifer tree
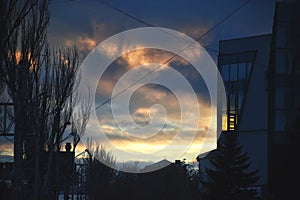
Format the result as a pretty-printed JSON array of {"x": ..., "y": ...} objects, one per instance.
[{"x": 229, "y": 176}]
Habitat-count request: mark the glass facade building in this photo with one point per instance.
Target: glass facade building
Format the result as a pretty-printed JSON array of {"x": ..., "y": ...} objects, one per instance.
[
  {"x": 261, "y": 76},
  {"x": 243, "y": 63},
  {"x": 284, "y": 100}
]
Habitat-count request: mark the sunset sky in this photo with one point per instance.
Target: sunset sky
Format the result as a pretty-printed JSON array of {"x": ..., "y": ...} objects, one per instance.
[{"x": 88, "y": 23}]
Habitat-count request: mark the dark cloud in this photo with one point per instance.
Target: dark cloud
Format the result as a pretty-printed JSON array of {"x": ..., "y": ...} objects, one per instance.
[{"x": 94, "y": 20}]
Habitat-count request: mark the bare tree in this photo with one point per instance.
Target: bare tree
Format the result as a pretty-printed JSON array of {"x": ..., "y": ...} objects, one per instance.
[
  {"x": 80, "y": 119},
  {"x": 40, "y": 82},
  {"x": 12, "y": 13},
  {"x": 100, "y": 175},
  {"x": 99, "y": 152},
  {"x": 130, "y": 166},
  {"x": 61, "y": 82},
  {"x": 23, "y": 34}
]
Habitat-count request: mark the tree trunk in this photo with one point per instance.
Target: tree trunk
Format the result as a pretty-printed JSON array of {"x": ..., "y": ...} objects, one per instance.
[{"x": 18, "y": 151}]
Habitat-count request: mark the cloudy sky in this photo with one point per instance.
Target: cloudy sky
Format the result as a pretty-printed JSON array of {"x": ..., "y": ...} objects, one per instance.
[
  {"x": 87, "y": 23},
  {"x": 90, "y": 22}
]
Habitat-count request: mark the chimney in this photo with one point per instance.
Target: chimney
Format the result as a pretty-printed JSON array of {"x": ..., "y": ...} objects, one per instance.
[
  {"x": 68, "y": 147},
  {"x": 177, "y": 162}
]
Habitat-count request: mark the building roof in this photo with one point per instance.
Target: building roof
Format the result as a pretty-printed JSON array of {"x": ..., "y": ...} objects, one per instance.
[{"x": 155, "y": 166}]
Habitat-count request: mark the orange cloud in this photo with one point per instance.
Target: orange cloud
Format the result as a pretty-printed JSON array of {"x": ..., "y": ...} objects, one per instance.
[
  {"x": 6, "y": 148},
  {"x": 145, "y": 57},
  {"x": 83, "y": 43},
  {"x": 86, "y": 43}
]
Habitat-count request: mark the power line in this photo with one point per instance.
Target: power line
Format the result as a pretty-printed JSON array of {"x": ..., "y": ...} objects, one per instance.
[
  {"x": 223, "y": 20},
  {"x": 138, "y": 19},
  {"x": 109, "y": 5},
  {"x": 124, "y": 13},
  {"x": 173, "y": 56}
]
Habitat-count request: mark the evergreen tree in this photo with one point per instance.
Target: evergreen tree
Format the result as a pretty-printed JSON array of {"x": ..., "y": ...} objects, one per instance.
[{"x": 229, "y": 177}]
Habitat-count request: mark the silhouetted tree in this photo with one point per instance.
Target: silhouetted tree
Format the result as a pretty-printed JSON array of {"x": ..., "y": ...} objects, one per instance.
[
  {"x": 229, "y": 177},
  {"x": 40, "y": 82},
  {"x": 99, "y": 175},
  {"x": 168, "y": 183},
  {"x": 22, "y": 38},
  {"x": 193, "y": 192},
  {"x": 59, "y": 83},
  {"x": 80, "y": 118},
  {"x": 125, "y": 182}
]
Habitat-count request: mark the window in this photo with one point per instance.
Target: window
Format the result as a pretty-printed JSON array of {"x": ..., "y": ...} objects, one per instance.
[
  {"x": 283, "y": 98},
  {"x": 240, "y": 99},
  {"x": 284, "y": 61},
  {"x": 281, "y": 35},
  {"x": 249, "y": 67},
  {"x": 232, "y": 102},
  {"x": 225, "y": 73},
  {"x": 235, "y": 70},
  {"x": 279, "y": 100},
  {"x": 280, "y": 120},
  {"x": 297, "y": 99},
  {"x": 224, "y": 122},
  {"x": 242, "y": 71},
  {"x": 285, "y": 13}
]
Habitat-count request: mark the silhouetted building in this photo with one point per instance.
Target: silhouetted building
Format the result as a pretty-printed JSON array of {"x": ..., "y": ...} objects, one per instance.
[
  {"x": 261, "y": 75},
  {"x": 243, "y": 64},
  {"x": 63, "y": 169},
  {"x": 284, "y": 101},
  {"x": 64, "y": 179},
  {"x": 168, "y": 182}
]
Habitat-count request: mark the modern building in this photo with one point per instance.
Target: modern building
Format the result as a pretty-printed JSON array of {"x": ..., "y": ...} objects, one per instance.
[
  {"x": 261, "y": 75},
  {"x": 284, "y": 101},
  {"x": 243, "y": 64}
]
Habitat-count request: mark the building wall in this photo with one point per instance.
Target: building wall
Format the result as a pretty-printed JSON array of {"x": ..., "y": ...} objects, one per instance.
[
  {"x": 284, "y": 101},
  {"x": 252, "y": 120},
  {"x": 268, "y": 121}
]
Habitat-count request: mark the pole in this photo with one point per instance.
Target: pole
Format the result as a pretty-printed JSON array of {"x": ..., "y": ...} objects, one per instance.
[{"x": 37, "y": 151}]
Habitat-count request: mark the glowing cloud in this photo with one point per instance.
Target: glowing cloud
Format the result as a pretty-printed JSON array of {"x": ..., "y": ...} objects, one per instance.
[{"x": 83, "y": 43}]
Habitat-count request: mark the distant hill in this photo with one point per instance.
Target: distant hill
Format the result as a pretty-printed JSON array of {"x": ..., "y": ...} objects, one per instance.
[
  {"x": 155, "y": 166},
  {"x": 6, "y": 158}
]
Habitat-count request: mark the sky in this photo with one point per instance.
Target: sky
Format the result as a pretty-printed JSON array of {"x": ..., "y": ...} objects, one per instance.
[
  {"x": 87, "y": 23},
  {"x": 90, "y": 22}
]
